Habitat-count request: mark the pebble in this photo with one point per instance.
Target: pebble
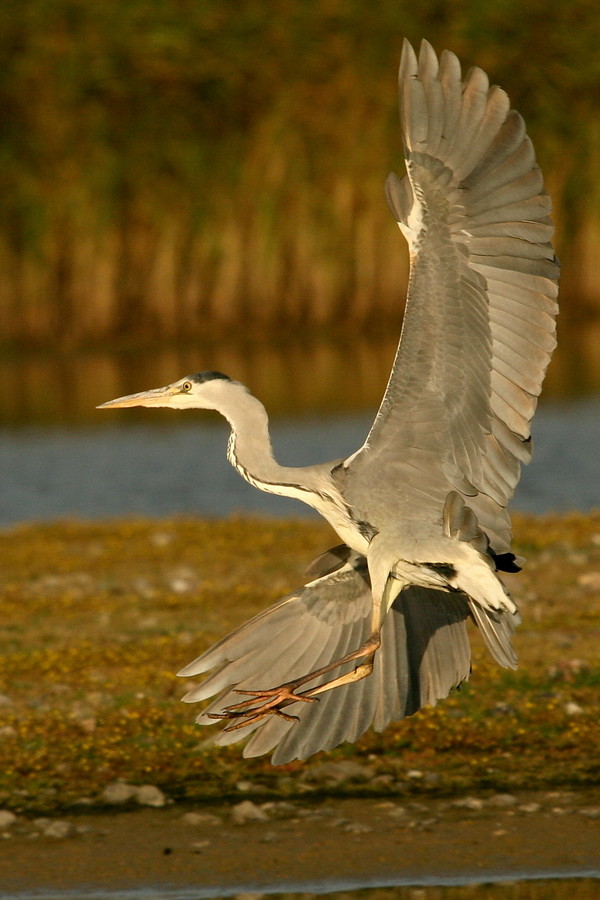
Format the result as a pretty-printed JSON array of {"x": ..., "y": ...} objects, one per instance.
[
  {"x": 150, "y": 795},
  {"x": 281, "y": 809},
  {"x": 397, "y": 812},
  {"x": 469, "y": 803},
  {"x": 357, "y": 828},
  {"x": 7, "y": 818},
  {"x": 591, "y": 812},
  {"x": 201, "y": 818},
  {"x": 423, "y": 824},
  {"x": 161, "y": 538},
  {"x": 573, "y": 709},
  {"x": 182, "y": 580},
  {"x": 338, "y": 823},
  {"x": 247, "y": 811},
  {"x": 245, "y": 786},
  {"x": 530, "y": 807},
  {"x": 200, "y": 846},
  {"x": 196, "y": 818},
  {"x": 503, "y": 800},
  {"x": 589, "y": 580},
  {"x": 58, "y": 829},
  {"x": 382, "y": 781},
  {"x": 118, "y": 792}
]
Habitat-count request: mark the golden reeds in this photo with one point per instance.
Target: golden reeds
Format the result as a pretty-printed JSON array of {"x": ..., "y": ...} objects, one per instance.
[{"x": 168, "y": 174}]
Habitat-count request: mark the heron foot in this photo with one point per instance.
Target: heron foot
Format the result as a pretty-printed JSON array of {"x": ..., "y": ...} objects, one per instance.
[
  {"x": 274, "y": 699},
  {"x": 250, "y": 711},
  {"x": 249, "y": 717}
]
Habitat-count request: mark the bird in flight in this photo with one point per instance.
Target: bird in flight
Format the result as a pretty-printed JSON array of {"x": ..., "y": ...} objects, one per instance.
[{"x": 380, "y": 629}]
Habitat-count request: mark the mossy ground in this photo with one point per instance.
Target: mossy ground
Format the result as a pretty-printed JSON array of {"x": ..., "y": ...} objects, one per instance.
[{"x": 95, "y": 619}]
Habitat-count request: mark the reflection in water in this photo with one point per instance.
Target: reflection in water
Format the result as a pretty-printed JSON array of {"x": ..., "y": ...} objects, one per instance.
[
  {"x": 557, "y": 889},
  {"x": 297, "y": 378}
]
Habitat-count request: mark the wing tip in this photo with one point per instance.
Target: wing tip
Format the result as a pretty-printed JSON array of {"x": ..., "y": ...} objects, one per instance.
[{"x": 408, "y": 62}]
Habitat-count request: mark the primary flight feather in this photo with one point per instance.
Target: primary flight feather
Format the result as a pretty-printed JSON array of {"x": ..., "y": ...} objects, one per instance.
[{"x": 381, "y": 629}]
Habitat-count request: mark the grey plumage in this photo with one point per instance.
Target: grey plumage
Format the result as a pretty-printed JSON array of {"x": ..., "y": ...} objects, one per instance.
[
  {"x": 424, "y": 654},
  {"x": 380, "y": 630}
]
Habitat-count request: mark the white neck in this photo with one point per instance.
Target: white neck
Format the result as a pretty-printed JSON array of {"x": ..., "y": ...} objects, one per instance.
[
  {"x": 249, "y": 449},
  {"x": 250, "y": 452}
]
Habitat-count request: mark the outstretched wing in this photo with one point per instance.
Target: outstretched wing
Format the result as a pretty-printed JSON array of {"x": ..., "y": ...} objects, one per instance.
[
  {"x": 424, "y": 654},
  {"x": 479, "y": 325}
]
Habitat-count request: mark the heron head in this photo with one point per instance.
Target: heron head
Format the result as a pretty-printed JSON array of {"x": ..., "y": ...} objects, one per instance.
[{"x": 201, "y": 391}]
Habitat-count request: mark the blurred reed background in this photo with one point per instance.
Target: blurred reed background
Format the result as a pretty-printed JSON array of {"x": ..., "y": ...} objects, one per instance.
[{"x": 175, "y": 169}]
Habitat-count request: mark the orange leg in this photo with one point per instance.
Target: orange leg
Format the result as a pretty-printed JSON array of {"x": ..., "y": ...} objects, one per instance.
[{"x": 279, "y": 697}]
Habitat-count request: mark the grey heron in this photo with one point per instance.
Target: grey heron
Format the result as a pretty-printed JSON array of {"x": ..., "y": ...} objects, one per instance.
[{"x": 379, "y": 630}]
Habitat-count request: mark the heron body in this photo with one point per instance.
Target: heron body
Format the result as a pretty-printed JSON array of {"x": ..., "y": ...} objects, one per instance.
[{"x": 420, "y": 508}]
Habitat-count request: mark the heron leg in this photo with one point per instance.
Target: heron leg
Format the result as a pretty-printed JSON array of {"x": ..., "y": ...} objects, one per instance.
[
  {"x": 276, "y": 699},
  {"x": 283, "y": 695},
  {"x": 367, "y": 651}
]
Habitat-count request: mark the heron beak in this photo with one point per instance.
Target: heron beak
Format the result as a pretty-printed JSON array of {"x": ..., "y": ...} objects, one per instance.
[{"x": 156, "y": 397}]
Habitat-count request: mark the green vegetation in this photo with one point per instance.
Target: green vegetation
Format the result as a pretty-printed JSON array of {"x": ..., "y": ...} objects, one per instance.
[
  {"x": 175, "y": 168},
  {"x": 96, "y": 618}
]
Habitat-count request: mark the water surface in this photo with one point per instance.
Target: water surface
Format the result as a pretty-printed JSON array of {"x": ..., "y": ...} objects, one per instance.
[
  {"x": 494, "y": 887},
  {"x": 61, "y": 457},
  {"x": 120, "y": 469}
]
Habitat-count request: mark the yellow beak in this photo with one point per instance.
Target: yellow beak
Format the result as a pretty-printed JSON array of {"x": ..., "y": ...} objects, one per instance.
[{"x": 156, "y": 397}]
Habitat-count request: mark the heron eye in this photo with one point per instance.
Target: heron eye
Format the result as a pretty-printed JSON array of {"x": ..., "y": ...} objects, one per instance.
[{"x": 186, "y": 386}]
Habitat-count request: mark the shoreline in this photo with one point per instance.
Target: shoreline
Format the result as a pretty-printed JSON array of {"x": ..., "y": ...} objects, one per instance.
[
  {"x": 324, "y": 846},
  {"x": 108, "y": 786}
]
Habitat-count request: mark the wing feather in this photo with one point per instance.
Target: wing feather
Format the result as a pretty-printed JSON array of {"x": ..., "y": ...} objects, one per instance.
[
  {"x": 424, "y": 654},
  {"x": 479, "y": 324}
]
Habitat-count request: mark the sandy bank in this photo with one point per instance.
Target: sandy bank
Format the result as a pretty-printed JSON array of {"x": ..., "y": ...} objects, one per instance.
[{"x": 344, "y": 841}]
